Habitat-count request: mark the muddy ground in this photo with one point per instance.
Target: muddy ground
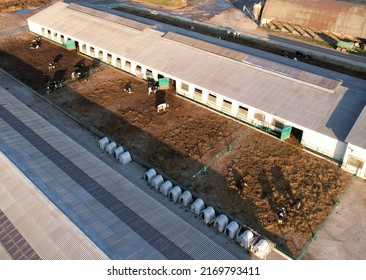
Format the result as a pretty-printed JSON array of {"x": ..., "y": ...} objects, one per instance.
[
  {"x": 7, "y": 6},
  {"x": 187, "y": 136}
]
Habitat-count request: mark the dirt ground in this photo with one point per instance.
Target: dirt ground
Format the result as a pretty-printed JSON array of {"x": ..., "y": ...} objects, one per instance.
[
  {"x": 187, "y": 136},
  {"x": 7, "y": 6}
]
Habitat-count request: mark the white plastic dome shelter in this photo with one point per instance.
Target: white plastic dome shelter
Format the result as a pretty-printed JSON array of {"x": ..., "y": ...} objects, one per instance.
[
  {"x": 149, "y": 175},
  {"x": 245, "y": 239},
  {"x": 221, "y": 222},
  {"x": 175, "y": 193},
  {"x": 125, "y": 158},
  {"x": 111, "y": 147},
  {"x": 208, "y": 215},
  {"x": 157, "y": 181},
  {"x": 261, "y": 249},
  {"x": 119, "y": 151},
  {"x": 185, "y": 198},
  {"x": 197, "y": 206},
  {"x": 232, "y": 229},
  {"x": 166, "y": 187},
  {"x": 103, "y": 143}
]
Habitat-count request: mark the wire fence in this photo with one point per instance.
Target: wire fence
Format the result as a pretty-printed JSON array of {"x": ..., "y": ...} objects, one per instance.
[{"x": 217, "y": 156}]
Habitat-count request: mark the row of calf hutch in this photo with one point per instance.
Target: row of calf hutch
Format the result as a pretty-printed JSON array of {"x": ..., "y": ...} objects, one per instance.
[
  {"x": 118, "y": 152},
  {"x": 244, "y": 237}
]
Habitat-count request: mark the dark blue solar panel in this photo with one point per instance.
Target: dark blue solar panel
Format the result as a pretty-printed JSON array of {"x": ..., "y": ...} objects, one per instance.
[
  {"x": 118, "y": 208},
  {"x": 13, "y": 242}
]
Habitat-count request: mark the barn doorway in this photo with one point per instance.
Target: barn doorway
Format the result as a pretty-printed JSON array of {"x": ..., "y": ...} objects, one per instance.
[{"x": 297, "y": 134}]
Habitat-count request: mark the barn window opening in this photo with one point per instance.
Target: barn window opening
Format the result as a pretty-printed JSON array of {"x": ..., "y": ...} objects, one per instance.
[
  {"x": 226, "y": 106},
  {"x": 149, "y": 73},
  {"x": 100, "y": 55},
  {"x": 49, "y": 33},
  {"x": 109, "y": 58},
  {"x": 43, "y": 31},
  {"x": 197, "y": 94},
  {"x": 128, "y": 65},
  {"x": 83, "y": 48},
  {"x": 184, "y": 86},
  {"x": 92, "y": 51},
  {"x": 118, "y": 62},
  {"x": 242, "y": 112},
  {"x": 55, "y": 36},
  {"x": 62, "y": 39},
  {"x": 259, "y": 116},
  {"x": 211, "y": 99},
  {"x": 138, "y": 69}
]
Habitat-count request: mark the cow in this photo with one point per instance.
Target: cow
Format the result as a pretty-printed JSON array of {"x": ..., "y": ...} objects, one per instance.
[
  {"x": 281, "y": 215},
  {"x": 128, "y": 87},
  {"x": 296, "y": 205},
  {"x": 52, "y": 66},
  {"x": 162, "y": 107},
  {"x": 36, "y": 43},
  {"x": 240, "y": 185},
  {"x": 51, "y": 87}
]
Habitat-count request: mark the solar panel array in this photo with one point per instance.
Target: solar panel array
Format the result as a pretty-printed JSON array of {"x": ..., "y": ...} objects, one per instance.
[
  {"x": 14, "y": 243},
  {"x": 258, "y": 62}
]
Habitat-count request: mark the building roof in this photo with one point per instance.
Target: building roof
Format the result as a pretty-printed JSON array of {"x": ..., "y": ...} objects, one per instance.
[
  {"x": 348, "y": 18},
  {"x": 247, "y": 82},
  {"x": 357, "y": 136}
]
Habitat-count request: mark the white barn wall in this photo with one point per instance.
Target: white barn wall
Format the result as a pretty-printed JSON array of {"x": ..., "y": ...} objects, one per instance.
[
  {"x": 358, "y": 153},
  {"x": 311, "y": 139},
  {"x": 323, "y": 144}
]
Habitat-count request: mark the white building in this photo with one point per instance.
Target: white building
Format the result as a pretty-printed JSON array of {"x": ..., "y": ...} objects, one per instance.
[{"x": 264, "y": 93}]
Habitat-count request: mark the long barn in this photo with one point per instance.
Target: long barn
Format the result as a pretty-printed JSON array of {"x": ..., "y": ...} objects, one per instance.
[{"x": 320, "y": 111}]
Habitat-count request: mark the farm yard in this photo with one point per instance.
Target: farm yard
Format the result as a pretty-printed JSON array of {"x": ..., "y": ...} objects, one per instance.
[{"x": 184, "y": 138}]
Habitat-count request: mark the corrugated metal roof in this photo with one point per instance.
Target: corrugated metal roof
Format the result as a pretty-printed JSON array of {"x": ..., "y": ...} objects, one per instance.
[
  {"x": 357, "y": 136},
  {"x": 255, "y": 61},
  {"x": 291, "y": 100},
  {"x": 335, "y": 16}
]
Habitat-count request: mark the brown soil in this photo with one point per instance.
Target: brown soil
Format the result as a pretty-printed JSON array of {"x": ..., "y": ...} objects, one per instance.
[
  {"x": 7, "y": 6},
  {"x": 187, "y": 136}
]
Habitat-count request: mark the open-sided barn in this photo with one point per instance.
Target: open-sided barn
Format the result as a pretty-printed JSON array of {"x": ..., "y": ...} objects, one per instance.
[
  {"x": 342, "y": 17},
  {"x": 321, "y": 112}
]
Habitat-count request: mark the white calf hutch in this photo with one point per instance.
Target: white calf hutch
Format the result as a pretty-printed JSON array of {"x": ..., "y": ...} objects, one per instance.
[
  {"x": 175, "y": 193},
  {"x": 318, "y": 110},
  {"x": 197, "y": 206},
  {"x": 232, "y": 229},
  {"x": 125, "y": 158},
  {"x": 245, "y": 239},
  {"x": 261, "y": 249},
  {"x": 186, "y": 198},
  {"x": 208, "y": 215},
  {"x": 111, "y": 147},
  {"x": 157, "y": 181},
  {"x": 221, "y": 222},
  {"x": 166, "y": 187},
  {"x": 103, "y": 143},
  {"x": 118, "y": 151}
]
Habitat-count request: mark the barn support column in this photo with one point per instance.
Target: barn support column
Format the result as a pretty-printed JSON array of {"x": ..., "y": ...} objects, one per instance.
[
  {"x": 133, "y": 68},
  {"x": 219, "y": 101},
  {"x": 204, "y": 96},
  {"x": 190, "y": 93},
  {"x": 143, "y": 72},
  {"x": 234, "y": 108},
  {"x": 250, "y": 114}
]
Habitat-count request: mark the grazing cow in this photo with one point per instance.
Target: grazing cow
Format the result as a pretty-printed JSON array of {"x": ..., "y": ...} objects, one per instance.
[
  {"x": 299, "y": 54},
  {"x": 52, "y": 66},
  {"x": 152, "y": 89},
  {"x": 296, "y": 205},
  {"x": 281, "y": 215},
  {"x": 162, "y": 106},
  {"x": 36, "y": 43},
  {"x": 128, "y": 87},
  {"x": 285, "y": 54},
  {"x": 240, "y": 185},
  {"x": 50, "y": 87}
]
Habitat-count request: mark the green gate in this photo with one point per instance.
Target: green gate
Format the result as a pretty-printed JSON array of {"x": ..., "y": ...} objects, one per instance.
[
  {"x": 285, "y": 133},
  {"x": 164, "y": 83}
]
